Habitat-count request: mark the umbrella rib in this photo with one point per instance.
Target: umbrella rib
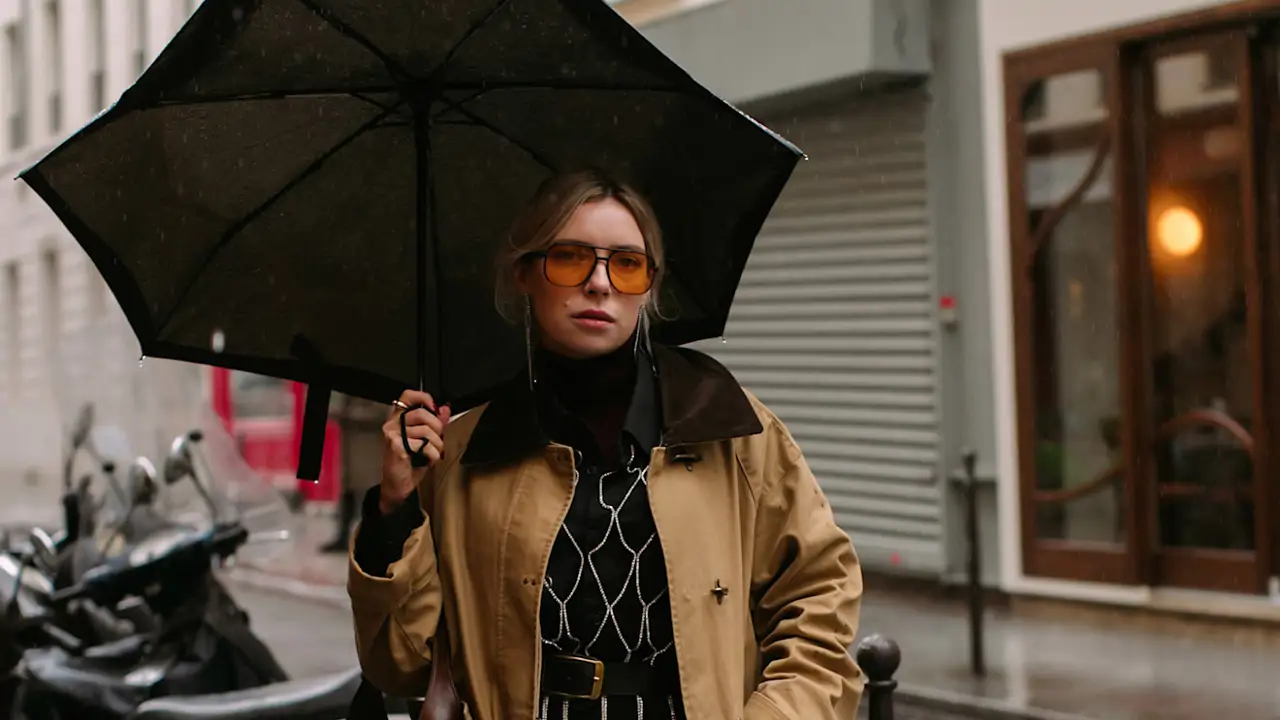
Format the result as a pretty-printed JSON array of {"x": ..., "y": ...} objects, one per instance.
[
  {"x": 480, "y": 88},
  {"x": 460, "y": 102},
  {"x": 391, "y": 64},
  {"x": 257, "y": 212},
  {"x": 389, "y": 107},
  {"x": 543, "y": 161},
  {"x": 440, "y": 69}
]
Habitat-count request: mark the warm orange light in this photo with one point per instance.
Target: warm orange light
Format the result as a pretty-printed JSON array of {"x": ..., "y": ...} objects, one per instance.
[{"x": 1179, "y": 231}]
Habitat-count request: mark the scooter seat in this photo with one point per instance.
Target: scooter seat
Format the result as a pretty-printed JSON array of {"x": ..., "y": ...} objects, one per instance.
[{"x": 322, "y": 698}]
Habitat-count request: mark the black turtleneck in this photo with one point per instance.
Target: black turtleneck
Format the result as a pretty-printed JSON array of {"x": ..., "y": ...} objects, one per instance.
[{"x": 596, "y": 391}]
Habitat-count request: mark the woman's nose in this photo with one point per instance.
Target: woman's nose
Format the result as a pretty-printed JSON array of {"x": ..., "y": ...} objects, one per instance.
[{"x": 599, "y": 278}]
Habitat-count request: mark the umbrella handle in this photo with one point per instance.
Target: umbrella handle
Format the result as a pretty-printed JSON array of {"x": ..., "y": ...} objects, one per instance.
[{"x": 417, "y": 458}]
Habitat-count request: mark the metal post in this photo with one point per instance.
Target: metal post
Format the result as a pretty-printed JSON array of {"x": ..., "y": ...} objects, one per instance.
[
  {"x": 977, "y": 655},
  {"x": 879, "y": 658}
]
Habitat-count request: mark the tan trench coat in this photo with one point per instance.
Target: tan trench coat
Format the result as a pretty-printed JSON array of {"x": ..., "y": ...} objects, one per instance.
[{"x": 735, "y": 504}]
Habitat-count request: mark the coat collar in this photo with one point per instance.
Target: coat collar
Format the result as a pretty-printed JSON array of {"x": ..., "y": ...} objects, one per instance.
[
  {"x": 701, "y": 402},
  {"x": 641, "y": 428}
]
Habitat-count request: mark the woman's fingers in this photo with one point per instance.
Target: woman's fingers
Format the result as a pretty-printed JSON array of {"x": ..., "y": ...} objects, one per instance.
[
  {"x": 415, "y": 418},
  {"x": 422, "y": 432},
  {"x": 424, "y": 440},
  {"x": 412, "y": 398},
  {"x": 421, "y": 436},
  {"x": 422, "y": 426}
]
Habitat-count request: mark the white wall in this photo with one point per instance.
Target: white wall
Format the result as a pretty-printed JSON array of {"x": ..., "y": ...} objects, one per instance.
[
  {"x": 1011, "y": 25},
  {"x": 29, "y": 434}
]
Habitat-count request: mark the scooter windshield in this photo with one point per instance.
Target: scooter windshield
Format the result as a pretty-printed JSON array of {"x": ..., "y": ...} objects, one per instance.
[{"x": 117, "y": 409}]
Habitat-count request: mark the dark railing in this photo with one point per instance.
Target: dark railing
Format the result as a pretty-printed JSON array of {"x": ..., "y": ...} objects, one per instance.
[{"x": 967, "y": 481}]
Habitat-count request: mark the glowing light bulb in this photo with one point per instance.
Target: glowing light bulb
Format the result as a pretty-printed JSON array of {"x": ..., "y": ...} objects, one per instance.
[{"x": 1179, "y": 231}]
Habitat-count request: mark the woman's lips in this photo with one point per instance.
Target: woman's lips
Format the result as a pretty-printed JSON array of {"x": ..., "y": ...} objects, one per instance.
[{"x": 593, "y": 320}]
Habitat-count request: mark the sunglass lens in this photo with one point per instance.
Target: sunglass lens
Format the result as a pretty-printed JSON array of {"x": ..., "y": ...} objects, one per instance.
[
  {"x": 630, "y": 272},
  {"x": 569, "y": 265}
]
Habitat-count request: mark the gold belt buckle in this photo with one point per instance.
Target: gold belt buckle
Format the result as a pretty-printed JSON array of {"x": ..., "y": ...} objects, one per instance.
[{"x": 597, "y": 680}]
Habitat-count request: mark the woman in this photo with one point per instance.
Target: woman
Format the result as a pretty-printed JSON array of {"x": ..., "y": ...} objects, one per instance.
[{"x": 623, "y": 531}]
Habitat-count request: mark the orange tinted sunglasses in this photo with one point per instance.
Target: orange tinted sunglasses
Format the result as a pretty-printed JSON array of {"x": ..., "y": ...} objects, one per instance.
[{"x": 570, "y": 265}]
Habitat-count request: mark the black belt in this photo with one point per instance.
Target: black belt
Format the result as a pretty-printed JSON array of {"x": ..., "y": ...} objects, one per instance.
[{"x": 574, "y": 676}]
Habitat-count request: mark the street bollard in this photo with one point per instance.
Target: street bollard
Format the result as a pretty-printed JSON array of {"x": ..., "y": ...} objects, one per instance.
[
  {"x": 879, "y": 657},
  {"x": 977, "y": 656}
]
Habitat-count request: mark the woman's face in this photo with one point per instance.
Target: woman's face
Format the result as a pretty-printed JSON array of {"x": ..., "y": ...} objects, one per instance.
[{"x": 593, "y": 318}]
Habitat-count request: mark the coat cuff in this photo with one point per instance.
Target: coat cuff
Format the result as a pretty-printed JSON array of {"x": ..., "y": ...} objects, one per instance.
[
  {"x": 380, "y": 538},
  {"x": 413, "y": 569}
]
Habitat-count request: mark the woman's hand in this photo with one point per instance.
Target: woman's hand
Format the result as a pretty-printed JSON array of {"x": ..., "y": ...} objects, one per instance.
[{"x": 425, "y": 428}]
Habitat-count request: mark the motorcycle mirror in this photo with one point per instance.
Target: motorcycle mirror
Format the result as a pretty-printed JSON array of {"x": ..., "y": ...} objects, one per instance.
[
  {"x": 83, "y": 424},
  {"x": 178, "y": 463},
  {"x": 142, "y": 480},
  {"x": 45, "y": 548}
]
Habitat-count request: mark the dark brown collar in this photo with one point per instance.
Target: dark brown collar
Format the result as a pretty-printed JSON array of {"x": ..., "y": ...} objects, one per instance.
[{"x": 701, "y": 402}]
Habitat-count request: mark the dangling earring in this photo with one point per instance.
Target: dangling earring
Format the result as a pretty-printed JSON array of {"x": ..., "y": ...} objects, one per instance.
[
  {"x": 635, "y": 348},
  {"x": 528, "y": 339},
  {"x": 642, "y": 334}
]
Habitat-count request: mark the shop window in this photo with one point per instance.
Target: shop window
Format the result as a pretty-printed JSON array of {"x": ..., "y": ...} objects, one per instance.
[
  {"x": 259, "y": 396},
  {"x": 1074, "y": 339},
  {"x": 1143, "y": 188}
]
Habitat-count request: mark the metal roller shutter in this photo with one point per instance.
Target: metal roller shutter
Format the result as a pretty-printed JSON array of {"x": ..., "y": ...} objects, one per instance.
[{"x": 832, "y": 325}]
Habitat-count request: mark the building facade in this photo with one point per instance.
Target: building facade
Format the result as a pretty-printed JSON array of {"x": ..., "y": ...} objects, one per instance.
[
  {"x": 862, "y": 316},
  {"x": 61, "y": 62},
  {"x": 1134, "y": 247}
]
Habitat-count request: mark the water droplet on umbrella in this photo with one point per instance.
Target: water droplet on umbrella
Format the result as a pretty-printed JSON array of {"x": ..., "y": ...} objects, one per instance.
[
  {"x": 142, "y": 360},
  {"x": 218, "y": 341},
  {"x": 724, "y": 340}
]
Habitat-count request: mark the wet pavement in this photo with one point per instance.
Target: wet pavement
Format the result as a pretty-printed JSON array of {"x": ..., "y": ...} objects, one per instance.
[
  {"x": 1057, "y": 668},
  {"x": 313, "y": 638},
  {"x": 308, "y": 638},
  {"x": 1045, "y": 668},
  {"x": 1125, "y": 673}
]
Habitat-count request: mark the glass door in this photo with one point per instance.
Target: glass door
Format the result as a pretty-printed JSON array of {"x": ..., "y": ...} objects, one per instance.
[{"x": 1205, "y": 459}]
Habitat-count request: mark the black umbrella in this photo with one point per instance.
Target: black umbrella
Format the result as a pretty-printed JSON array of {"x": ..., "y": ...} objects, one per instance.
[{"x": 323, "y": 184}]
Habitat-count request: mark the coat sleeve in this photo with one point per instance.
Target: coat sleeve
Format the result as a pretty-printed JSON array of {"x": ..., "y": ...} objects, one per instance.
[
  {"x": 396, "y": 605},
  {"x": 806, "y": 589}
]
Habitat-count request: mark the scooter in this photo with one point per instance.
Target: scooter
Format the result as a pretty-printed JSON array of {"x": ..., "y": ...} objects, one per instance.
[
  {"x": 198, "y": 640},
  {"x": 34, "y": 564}
]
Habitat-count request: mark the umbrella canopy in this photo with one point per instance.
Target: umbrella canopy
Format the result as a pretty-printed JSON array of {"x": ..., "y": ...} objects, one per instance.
[{"x": 324, "y": 184}]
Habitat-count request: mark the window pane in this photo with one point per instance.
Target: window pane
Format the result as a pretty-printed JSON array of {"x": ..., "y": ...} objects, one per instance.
[
  {"x": 1201, "y": 372},
  {"x": 1075, "y": 343},
  {"x": 258, "y": 396},
  {"x": 15, "y": 44}
]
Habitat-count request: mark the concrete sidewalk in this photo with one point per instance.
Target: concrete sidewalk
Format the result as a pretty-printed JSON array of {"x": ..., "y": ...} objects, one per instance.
[{"x": 1052, "y": 669}]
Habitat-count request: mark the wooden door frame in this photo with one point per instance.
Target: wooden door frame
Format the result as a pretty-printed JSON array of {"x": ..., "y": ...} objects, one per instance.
[
  {"x": 1057, "y": 558},
  {"x": 1115, "y": 55},
  {"x": 1266, "y": 88},
  {"x": 1201, "y": 568}
]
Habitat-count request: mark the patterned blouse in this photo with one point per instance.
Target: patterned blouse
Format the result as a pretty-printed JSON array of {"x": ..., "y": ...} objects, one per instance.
[{"x": 605, "y": 592}]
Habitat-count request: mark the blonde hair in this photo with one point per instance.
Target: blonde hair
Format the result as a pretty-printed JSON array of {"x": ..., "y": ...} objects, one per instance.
[{"x": 549, "y": 210}]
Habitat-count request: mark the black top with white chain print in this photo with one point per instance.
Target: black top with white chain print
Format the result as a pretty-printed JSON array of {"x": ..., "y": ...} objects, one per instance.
[{"x": 605, "y": 593}]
